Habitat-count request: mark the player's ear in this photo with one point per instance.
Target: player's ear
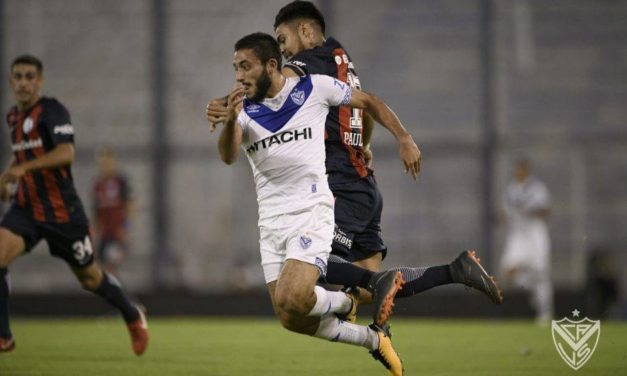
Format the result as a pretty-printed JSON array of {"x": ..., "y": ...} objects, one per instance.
[
  {"x": 302, "y": 29},
  {"x": 308, "y": 31},
  {"x": 272, "y": 65}
]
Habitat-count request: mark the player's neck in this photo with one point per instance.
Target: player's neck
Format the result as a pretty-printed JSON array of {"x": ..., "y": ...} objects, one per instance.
[
  {"x": 278, "y": 82},
  {"x": 523, "y": 181},
  {"x": 316, "y": 41},
  {"x": 108, "y": 174},
  {"x": 23, "y": 106}
]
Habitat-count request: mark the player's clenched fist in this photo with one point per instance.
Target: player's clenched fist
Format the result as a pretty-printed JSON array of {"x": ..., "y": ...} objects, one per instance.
[
  {"x": 217, "y": 112},
  {"x": 219, "y": 109},
  {"x": 234, "y": 103}
]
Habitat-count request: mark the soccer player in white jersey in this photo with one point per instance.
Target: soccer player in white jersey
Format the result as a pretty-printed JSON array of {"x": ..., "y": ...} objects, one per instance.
[
  {"x": 279, "y": 123},
  {"x": 526, "y": 259}
]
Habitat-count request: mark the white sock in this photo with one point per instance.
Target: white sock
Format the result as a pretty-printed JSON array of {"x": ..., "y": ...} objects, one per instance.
[
  {"x": 335, "y": 330},
  {"x": 330, "y": 302}
]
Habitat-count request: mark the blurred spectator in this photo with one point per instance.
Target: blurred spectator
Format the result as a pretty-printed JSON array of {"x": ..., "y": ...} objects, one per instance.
[
  {"x": 601, "y": 282},
  {"x": 526, "y": 261},
  {"x": 112, "y": 209}
]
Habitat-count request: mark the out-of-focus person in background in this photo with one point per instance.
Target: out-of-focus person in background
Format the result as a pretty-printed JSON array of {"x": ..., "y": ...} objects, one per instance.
[
  {"x": 44, "y": 202},
  {"x": 601, "y": 282},
  {"x": 526, "y": 260},
  {"x": 112, "y": 205}
]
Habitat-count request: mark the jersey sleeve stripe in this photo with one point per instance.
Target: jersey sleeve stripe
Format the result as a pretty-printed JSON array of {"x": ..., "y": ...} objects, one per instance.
[
  {"x": 347, "y": 97},
  {"x": 298, "y": 70}
]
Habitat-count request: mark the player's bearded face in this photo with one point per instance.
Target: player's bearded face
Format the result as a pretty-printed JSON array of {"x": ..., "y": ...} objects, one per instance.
[{"x": 262, "y": 85}]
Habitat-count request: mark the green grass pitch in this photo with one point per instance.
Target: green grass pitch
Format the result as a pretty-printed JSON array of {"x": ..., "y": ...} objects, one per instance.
[{"x": 251, "y": 346}]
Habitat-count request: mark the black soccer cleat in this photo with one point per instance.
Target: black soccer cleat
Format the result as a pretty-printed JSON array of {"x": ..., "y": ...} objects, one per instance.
[
  {"x": 385, "y": 353},
  {"x": 467, "y": 269},
  {"x": 384, "y": 286}
]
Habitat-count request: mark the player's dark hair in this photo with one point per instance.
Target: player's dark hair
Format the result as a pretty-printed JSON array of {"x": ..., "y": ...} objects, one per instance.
[
  {"x": 263, "y": 45},
  {"x": 299, "y": 9},
  {"x": 28, "y": 60}
]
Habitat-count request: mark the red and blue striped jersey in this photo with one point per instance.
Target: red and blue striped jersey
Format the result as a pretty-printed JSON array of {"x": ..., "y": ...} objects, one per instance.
[
  {"x": 48, "y": 194},
  {"x": 344, "y": 131}
]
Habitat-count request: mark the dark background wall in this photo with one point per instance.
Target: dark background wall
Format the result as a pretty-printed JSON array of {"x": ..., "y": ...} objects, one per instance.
[{"x": 476, "y": 82}]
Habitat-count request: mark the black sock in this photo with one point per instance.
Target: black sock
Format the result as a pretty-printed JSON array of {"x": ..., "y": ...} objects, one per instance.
[
  {"x": 421, "y": 279},
  {"x": 342, "y": 272},
  {"x": 5, "y": 331},
  {"x": 111, "y": 289}
]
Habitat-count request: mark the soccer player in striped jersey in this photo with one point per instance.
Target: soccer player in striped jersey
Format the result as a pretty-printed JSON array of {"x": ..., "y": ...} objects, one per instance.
[
  {"x": 279, "y": 123},
  {"x": 44, "y": 202},
  {"x": 300, "y": 31}
]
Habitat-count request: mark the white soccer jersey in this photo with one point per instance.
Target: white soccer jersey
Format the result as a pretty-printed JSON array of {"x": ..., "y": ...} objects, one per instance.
[
  {"x": 284, "y": 142},
  {"x": 521, "y": 199}
]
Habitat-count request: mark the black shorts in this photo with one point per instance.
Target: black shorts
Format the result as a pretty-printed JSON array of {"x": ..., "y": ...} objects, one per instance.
[
  {"x": 358, "y": 207},
  {"x": 69, "y": 241}
]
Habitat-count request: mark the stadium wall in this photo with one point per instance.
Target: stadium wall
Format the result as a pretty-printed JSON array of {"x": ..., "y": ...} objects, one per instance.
[{"x": 561, "y": 86}]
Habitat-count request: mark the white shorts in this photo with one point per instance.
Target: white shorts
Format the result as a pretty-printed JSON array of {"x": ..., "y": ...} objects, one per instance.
[{"x": 304, "y": 235}]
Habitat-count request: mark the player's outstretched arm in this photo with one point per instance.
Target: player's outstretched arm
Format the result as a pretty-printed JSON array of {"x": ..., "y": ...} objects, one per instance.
[
  {"x": 410, "y": 154},
  {"x": 61, "y": 155},
  {"x": 231, "y": 135}
]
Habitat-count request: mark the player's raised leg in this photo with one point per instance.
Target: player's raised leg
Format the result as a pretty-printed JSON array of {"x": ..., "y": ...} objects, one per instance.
[
  {"x": 303, "y": 307},
  {"x": 11, "y": 246},
  {"x": 465, "y": 269}
]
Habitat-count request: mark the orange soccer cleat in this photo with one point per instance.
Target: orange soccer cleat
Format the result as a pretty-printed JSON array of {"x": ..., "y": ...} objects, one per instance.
[
  {"x": 138, "y": 330},
  {"x": 6, "y": 344}
]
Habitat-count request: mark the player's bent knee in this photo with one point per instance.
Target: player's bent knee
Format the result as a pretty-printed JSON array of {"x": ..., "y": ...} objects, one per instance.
[
  {"x": 298, "y": 301},
  {"x": 11, "y": 246},
  {"x": 293, "y": 322},
  {"x": 293, "y": 305},
  {"x": 286, "y": 320}
]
